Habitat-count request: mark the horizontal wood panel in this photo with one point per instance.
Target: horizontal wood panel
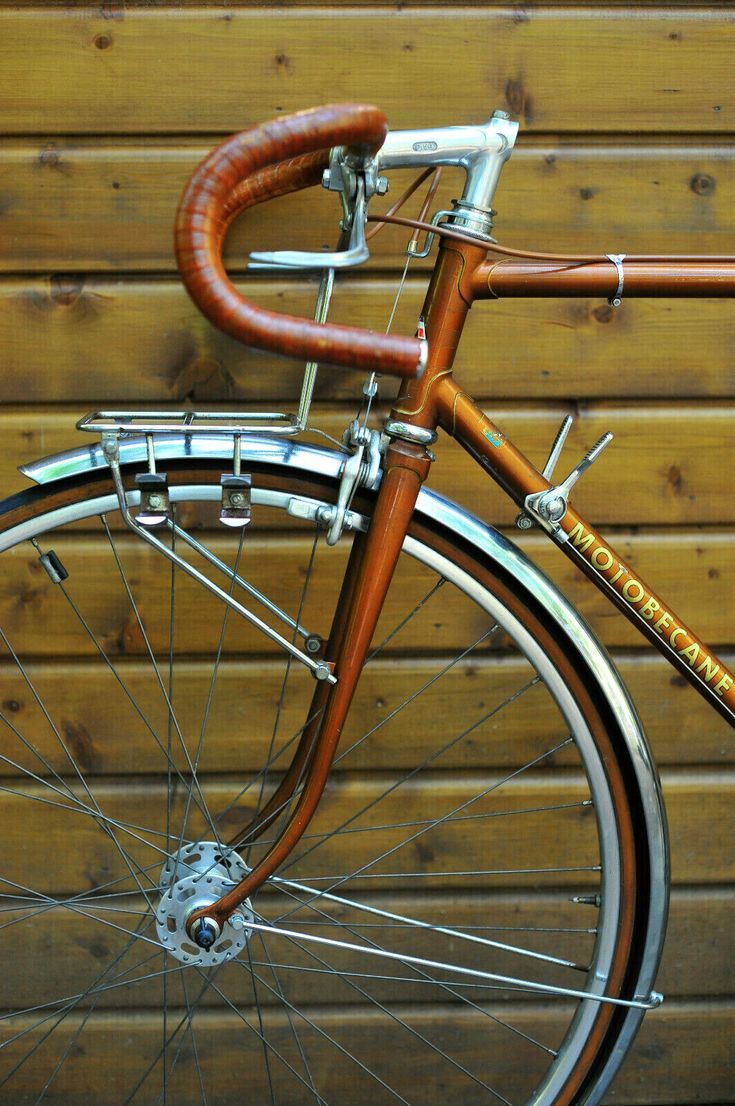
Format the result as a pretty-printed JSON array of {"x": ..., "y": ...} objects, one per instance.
[
  {"x": 71, "y": 205},
  {"x": 98, "y": 725},
  {"x": 668, "y": 464},
  {"x": 542, "y": 846},
  {"x": 688, "y": 969},
  {"x": 119, "y": 1048},
  {"x": 689, "y": 570},
  {"x": 380, "y": 819},
  {"x": 101, "y": 341},
  {"x": 135, "y": 74}
]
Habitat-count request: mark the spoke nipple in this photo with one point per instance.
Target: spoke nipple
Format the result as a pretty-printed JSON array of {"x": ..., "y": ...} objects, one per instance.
[
  {"x": 205, "y": 932},
  {"x": 586, "y": 900}
]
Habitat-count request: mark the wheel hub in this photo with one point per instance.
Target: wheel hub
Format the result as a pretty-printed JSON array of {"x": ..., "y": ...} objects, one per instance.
[{"x": 192, "y": 879}]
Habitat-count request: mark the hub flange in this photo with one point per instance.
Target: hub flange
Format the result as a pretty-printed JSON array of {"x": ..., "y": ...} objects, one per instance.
[{"x": 192, "y": 879}]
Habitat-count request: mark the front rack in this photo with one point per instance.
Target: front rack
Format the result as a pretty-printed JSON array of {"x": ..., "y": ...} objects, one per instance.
[{"x": 227, "y": 423}]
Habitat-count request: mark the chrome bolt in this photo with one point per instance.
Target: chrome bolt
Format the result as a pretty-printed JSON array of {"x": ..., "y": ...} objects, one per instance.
[
  {"x": 237, "y": 499},
  {"x": 237, "y": 921},
  {"x": 322, "y": 671},
  {"x": 501, "y": 115},
  {"x": 326, "y": 178},
  {"x": 154, "y": 501},
  {"x": 382, "y": 185}
]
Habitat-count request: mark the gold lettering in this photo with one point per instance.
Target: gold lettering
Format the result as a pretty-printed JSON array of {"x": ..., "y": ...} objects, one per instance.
[
  {"x": 675, "y": 634},
  {"x": 723, "y": 685},
  {"x": 579, "y": 538},
  {"x": 649, "y": 608},
  {"x": 598, "y": 555},
  {"x": 712, "y": 669},
  {"x": 663, "y": 623},
  {"x": 691, "y": 653},
  {"x": 617, "y": 575},
  {"x": 628, "y": 588}
]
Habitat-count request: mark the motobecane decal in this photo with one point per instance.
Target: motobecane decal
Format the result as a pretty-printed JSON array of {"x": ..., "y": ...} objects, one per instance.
[{"x": 710, "y": 671}]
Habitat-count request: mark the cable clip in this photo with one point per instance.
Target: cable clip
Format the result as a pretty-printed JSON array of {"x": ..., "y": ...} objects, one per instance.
[{"x": 617, "y": 260}]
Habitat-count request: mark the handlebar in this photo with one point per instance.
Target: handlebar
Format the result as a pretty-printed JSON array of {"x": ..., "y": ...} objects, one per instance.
[{"x": 272, "y": 159}]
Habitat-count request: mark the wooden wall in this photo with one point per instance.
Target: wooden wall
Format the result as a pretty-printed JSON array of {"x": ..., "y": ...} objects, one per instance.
[{"x": 627, "y": 113}]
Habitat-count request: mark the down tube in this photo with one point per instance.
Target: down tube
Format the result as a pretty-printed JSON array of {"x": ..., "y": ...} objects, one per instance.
[{"x": 622, "y": 585}]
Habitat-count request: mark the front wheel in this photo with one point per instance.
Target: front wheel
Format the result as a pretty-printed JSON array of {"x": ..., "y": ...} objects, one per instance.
[{"x": 487, "y": 864}]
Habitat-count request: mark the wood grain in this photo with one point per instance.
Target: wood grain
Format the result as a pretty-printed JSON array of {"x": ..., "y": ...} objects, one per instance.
[
  {"x": 94, "y": 340},
  {"x": 133, "y": 74},
  {"x": 95, "y": 204},
  {"x": 119, "y": 1047},
  {"x": 669, "y": 464},
  {"x": 626, "y": 116},
  {"x": 99, "y": 726},
  {"x": 689, "y": 569}
]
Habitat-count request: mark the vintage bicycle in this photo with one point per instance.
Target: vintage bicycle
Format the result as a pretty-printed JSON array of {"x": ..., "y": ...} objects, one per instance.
[{"x": 441, "y": 874}]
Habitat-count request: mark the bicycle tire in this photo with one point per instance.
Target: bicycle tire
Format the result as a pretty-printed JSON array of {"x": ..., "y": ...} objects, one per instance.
[{"x": 573, "y": 790}]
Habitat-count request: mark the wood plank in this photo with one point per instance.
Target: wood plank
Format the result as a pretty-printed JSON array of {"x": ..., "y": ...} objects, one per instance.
[
  {"x": 540, "y": 847},
  {"x": 133, "y": 74},
  {"x": 504, "y": 849},
  {"x": 697, "y": 958},
  {"x": 84, "y": 204},
  {"x": 117, "y": 1049},
  {"x": 688, "y": 570},
  {"x": 100, "y": 728},
  {"x": 101, "y": 341},
  {"x": 672, "y": 460}
]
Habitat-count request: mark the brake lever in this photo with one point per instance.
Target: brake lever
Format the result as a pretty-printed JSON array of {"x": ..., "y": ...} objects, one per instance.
[{"x": 355, "y": 252}]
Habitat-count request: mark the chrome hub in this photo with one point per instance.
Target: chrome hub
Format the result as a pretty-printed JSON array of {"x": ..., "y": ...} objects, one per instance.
[{"x": 192, "y": 879}]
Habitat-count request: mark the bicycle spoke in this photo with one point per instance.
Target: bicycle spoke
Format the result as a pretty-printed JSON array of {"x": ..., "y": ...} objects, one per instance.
[
  {"x": 271, "y": 1048},
  {"x": 261, "y": 1031},
  {"x": 284, "y": 685},
  {"x": 294, "y": 1032},
  {"x": 70, "y": 758},
  {"x": 210, "y": 695},
  {"x": 422, "y": 976},
  {"x": 340, "y": 1048},
  {"x": 158, "y": 678},
  {"x": 171, "y": 765},
  {"x": 444, "y": 818},
  {"x": 402, "y": 1023},
  {"x": 416, "y": 923}
]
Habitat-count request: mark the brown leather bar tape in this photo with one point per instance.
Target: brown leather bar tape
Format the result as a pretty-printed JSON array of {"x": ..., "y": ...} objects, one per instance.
[{"x": 234, "y": 176}]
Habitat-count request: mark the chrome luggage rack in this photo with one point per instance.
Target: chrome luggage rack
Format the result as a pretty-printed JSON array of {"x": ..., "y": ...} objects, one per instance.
[{"x": 227, "y": 423}]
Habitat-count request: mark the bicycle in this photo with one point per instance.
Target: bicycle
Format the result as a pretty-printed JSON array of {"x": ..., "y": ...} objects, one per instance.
[{"x": 495, "y": 895}]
